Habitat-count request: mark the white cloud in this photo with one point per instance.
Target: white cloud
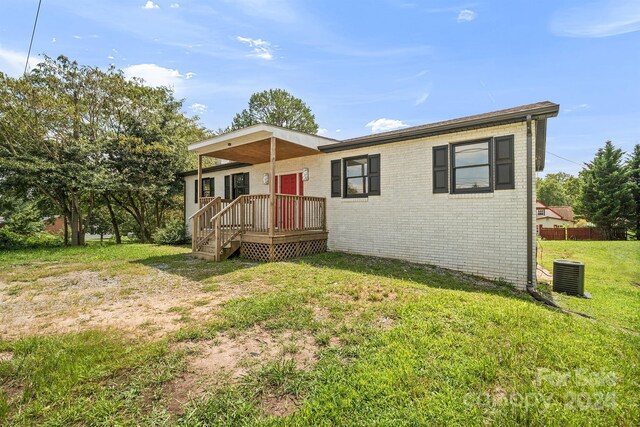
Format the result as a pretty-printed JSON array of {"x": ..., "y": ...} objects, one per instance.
[
  {"x": 598, "y": 19},
  {"x": 383, "y": 125},
  {"x": 111, "y": 57},
  {"x": 466, "y": 15},
  {"x": 261, "y": 48},
  {"x": 12, "y": 62},
  {"x": 150, "y": 5},
  {"x": 174, "y": 6},
  {"x": 338, "y": 130},
  {"x": 77, "y": 37},
  {"x": 53, "y": 40},
  {"x": 189, "y": 75},
  {"x": 198, "y": 108},
  {"x": 422, "y": 98},
  {"x": 579, "y": 107},
  {"x": 154, "y": 75},
  {"x": 322, "y": 131}
]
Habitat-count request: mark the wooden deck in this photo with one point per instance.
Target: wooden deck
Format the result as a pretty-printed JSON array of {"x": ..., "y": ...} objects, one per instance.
[{"x": 223, "y": 227}]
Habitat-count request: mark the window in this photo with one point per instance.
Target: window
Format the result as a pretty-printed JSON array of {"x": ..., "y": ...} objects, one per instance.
[
  {"x": 540, "y": 212},
  {"x": 361, "y": 176},
  {"x": 208, "y": 187},
  {"x": 476, "y": 166},
  {"x": 236, "y": 185},
  {"x": 471, "y": 167},
  {"x": 355, "y": 172}
]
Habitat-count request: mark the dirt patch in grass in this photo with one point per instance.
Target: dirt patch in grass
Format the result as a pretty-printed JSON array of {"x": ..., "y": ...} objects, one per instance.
[
  {"x": 231, "y": 357},
  {"x": 143, "y": 305}
]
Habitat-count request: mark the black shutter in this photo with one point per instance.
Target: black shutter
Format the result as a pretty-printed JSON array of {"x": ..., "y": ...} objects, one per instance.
[
  {"x": 246, "y": 183},
  {"x": 374, "y": 175},
  {"x": 212, "y": 187},
  {"x": 195, "y": 192},
  {"x": 227, "y": 186},
  {"x": 440, "y": 169},
  {"x": 503, "y": 160},
  {"x": 335, "y": 178}
]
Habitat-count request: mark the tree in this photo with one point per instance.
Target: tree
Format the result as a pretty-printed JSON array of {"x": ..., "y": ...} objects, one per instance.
[
  {"x": 558, "y": 189},
  {"x": 606, "y": 194},
  {"x": 276, "y": 107},
  {"x": 633, "y": 165},
  {"x": 86, "y": 138}
]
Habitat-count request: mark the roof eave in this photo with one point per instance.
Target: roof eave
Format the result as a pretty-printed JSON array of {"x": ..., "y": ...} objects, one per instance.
[{"x": 515, "y": 117}]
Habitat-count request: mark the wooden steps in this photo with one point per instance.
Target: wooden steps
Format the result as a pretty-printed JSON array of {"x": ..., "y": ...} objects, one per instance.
[{"x": 208, "y": 250}]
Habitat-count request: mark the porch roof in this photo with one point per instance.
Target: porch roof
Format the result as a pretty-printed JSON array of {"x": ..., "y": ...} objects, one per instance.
[{"x": 253, "y": 144}]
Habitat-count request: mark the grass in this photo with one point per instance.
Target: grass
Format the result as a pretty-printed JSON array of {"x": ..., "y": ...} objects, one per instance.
[
  {"x": 612, "y": 276},
  {"x": 398, "y": 344}
]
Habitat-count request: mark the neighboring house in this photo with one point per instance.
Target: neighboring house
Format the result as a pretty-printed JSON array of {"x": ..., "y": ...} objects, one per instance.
[
  {"x": 459, "y": 194},
  {"x": 54, "y": 225},
  {"x": 553, "y": 216}
]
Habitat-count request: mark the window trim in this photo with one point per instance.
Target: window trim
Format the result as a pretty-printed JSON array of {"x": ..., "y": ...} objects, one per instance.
[
  {"x": 452, "y": 158},
  {"x": 345, "y": 179}
]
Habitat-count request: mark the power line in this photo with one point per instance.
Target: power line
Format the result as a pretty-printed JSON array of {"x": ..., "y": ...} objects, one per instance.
[
  {"x": 564, "y": 158},
  {"x": 33, "y": 33}
]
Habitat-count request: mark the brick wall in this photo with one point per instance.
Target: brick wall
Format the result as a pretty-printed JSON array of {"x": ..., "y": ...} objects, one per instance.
[{"x": 483, "y": 234}]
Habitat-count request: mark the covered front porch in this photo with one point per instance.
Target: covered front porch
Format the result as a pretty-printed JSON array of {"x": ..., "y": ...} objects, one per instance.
[{"x": 265, "y": 227}]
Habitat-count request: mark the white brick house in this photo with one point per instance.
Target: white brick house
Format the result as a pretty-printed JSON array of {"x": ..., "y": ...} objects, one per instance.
[{"x": 459, "y": 194}]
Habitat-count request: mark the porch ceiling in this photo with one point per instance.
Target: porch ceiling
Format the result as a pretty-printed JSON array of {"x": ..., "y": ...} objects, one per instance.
[
  {"x": 253, "y": 144},
  {"x": 260, "y": 151}
]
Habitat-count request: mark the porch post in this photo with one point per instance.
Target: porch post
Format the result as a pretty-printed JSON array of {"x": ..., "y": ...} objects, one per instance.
[
  {"x": 272, "y": 189},
  {"x": 199, "y": 179}
]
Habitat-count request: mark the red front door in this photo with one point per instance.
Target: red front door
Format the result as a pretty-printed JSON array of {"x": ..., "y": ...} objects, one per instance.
[{"x": 289, "y": 208}]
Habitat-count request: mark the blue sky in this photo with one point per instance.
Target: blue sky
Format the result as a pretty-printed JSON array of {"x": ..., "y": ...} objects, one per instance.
[{"x": 364, "y": 66}]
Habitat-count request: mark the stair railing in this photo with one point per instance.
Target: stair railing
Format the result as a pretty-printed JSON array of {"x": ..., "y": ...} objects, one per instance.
[{"x": 201, "y": 229}]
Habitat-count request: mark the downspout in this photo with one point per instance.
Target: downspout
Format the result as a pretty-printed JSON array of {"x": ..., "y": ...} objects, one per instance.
[
  {"x": 530, "y": 282},
  {"x": 531, "y": 290}
]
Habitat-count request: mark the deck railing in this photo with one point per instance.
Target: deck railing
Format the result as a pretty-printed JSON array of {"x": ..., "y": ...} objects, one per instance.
[{"x": 224, "y": 220}]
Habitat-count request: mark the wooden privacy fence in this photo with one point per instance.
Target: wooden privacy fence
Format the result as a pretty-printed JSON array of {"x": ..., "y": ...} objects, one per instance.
[{"x": 582, "y": 233}]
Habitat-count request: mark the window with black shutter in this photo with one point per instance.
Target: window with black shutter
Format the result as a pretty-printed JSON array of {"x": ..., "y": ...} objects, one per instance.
[
  {"x": 440, "y": 169},
  {"x": 361, "y": 176},
  {"x": 336, "y": 188},
  {"x": 471, "y": 167},
  {"x": 503, "y": 160},
  {"x": 208, "y": 189},
  {"x": 236, "y": 185},
  {"x": 227, "y": 187}
]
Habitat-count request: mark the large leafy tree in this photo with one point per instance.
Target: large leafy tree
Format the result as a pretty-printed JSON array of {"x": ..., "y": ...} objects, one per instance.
[
  {"x": 276, "y": 107},
  {"x": 86, "y": 139},
  {"x": 606, "y": 193},
  {"x": 634, "y": 177},
  {"x": 558, "y": 189}
]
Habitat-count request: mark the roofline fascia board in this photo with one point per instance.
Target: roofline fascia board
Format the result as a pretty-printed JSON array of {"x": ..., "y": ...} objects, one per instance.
[
  {"x": 520, "y": 116},
  {"x": 216, "y": 168}
]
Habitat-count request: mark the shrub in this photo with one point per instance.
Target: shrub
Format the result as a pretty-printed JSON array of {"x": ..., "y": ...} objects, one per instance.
[
  {"x": 174, "y": 233},
  {"x": 11, "y": 240}
]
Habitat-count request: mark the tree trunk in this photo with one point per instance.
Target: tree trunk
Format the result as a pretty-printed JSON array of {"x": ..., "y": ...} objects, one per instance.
[
  {"x": 114, "y": 221},
  {"x": 66, "y": 229},
  {"x": 75, "y": 232}
]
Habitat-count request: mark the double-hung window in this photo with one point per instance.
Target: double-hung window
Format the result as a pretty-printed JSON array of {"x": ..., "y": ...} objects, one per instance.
[
  {"x": 471, "y": 167},
  {"x": 478, "y": 166},
  {"x": 356, "y": 176}
]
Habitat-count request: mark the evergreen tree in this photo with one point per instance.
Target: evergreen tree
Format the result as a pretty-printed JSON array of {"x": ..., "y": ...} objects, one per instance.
[
  {"x": 634, "y": 176},
  {"x": 606, "y": 194}
]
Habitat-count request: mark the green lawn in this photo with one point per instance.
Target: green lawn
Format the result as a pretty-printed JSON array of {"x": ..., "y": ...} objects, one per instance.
[
  {"x": 391, "y": 343},
  {"x": 612, "y": 276}
]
